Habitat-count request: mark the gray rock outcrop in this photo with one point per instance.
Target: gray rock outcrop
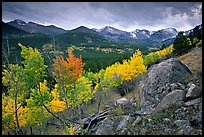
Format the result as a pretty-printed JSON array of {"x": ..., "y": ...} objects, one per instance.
[
  {"x": 137, "y": 121},
  {"x": 193, "y": 91},
  {"x": 120, "y": 101},
  {"x": 193, "y": 102},
  {"x": 156, "y": 85},
  {"x": 181, "y": 123},
  {"x": 105, "y": 128},
  {"x": 123, "y": 123},
  {"x": 170, "y": 99}
]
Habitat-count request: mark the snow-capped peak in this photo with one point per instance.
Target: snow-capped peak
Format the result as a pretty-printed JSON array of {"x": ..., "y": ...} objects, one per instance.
[
  {"x": 106, "y": 28},
  {"x": 136, "y": 31},
  {"x": 151, "y": 32},
  {"x": 111, "y": 30},
  {"x": 32, "y": 24},
  {"x": 140, "y": 34},
  {"x": 200, "y": 26},
  {"x": 95, "y": 29},
  {"x": 133, "y": 35},
  {"x": 171, "y": 30},
  {"x": 185, "y": 33},
  {"x": 19, "y": 22}
]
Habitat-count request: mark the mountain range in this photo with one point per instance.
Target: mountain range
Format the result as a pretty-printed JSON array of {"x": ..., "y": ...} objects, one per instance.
[
  {"x": 138, "y": 36},
  {"x": 99, "y": 47}
]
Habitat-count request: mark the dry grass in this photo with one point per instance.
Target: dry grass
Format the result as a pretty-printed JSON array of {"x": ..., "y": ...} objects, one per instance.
[{"x": 193, "y": 59}]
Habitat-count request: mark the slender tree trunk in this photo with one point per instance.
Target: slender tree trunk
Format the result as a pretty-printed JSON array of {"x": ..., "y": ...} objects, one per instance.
[
  {"x": 66, "y": 100},
  {"x": 16, "y": 108},
  {"x": 81, "y": 109},
  {"x": 64, "y": 92},
  {"x": 64, "y": 123},
  {"x": 31, "y": 130},
  {"x": 78, "y": 105},
  {"x": 99, "y": 103},
  {"x": 16, "y": 115},
  {"x": 7, "y": 42},
  {"x": 6, "y": 57}
]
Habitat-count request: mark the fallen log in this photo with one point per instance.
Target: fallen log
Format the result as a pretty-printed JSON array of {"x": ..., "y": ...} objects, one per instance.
[{"x": 94, "y": 119}]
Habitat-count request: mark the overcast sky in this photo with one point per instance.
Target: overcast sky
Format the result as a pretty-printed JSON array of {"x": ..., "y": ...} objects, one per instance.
[{"x": 126, "y": 16}]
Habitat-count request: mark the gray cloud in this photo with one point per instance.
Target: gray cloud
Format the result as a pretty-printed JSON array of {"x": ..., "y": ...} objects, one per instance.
[{"x": 123, "y": 15}]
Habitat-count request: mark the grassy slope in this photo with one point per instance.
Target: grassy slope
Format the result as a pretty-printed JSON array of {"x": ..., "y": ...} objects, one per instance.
[{"x": 193, "y": 59}]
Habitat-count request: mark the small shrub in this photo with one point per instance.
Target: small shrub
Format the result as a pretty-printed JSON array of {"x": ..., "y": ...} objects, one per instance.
[
  {"x": 118, "y": 111},
  {"x": 160, "y": 115},
  {"x": 85, "y": 132}
]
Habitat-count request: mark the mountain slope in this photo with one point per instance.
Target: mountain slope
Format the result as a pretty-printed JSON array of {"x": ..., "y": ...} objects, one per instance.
[
  {"x": 83, "y": 29},
  {"x": 9, "y": 30},
  {"x": 32, "y": 27},
  {"x": 32, "y": 40},
  {"x": 141, "y": 34},
  {"x": 116, "y": 35},
  {"x": 80, "y": 38},
  {"x": 111, "y": 30},
  {"x": 164, "y": 34},
  {"x": 195, "y": 31}
]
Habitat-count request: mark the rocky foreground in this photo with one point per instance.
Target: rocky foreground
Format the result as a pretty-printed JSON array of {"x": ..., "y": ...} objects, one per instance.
[{"x": 170, "y": 104}]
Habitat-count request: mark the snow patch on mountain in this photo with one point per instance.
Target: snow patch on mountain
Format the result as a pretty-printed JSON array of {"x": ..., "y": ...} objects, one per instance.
[
  {"x": 133, "y": 35},
  {"x": 109, "y": 29},
  {"x": 151, "y": 32},
  {"x": 141, "y": 34},
  {"x": 97, "y": 30},
  {"x": 19, "y": 22}
]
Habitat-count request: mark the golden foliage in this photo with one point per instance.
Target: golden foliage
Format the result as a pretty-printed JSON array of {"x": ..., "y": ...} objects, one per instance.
[
  {"x": 56, "y": 105},
  {"x": 126, "y": 71},
  {"x": 8, "y": 114},
  {"x": 71, "y": 130},
  {"x": 43, "y": 86}
]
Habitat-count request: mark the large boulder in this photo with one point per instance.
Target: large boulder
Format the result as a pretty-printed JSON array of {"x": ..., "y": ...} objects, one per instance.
[{"x": 156, "y": 85}]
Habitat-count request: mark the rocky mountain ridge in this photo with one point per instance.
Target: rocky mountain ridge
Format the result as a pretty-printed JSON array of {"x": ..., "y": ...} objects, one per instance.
[
  {"x": 32, "y": 27},
  {"x": 138, "y": 36}
]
